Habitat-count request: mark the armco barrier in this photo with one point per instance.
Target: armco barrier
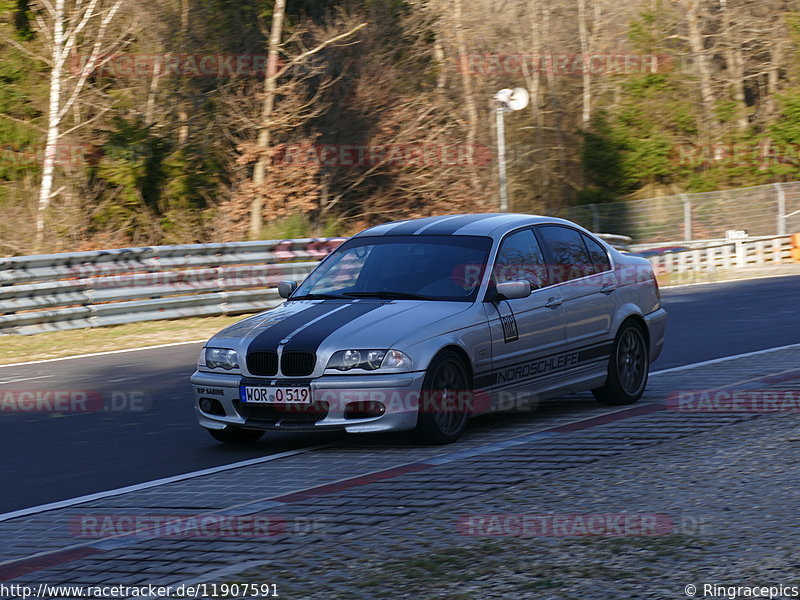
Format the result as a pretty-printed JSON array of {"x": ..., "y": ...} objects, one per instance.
[
  {"x": 796, "y": 247},
  {"x": 107, "y": 287},
  {"x": 727, "y": 255}
]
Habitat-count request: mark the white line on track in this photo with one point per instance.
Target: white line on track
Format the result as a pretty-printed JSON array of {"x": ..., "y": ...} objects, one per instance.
[
  {"x": 157, "y": 482},
  {"x": 724, "y": 359},
  {"x": 683, "y": 285},
  {"x": 47, "y": 360},
  {"x": 25, "y": 379},
  {"x": 212, "y": 470}
]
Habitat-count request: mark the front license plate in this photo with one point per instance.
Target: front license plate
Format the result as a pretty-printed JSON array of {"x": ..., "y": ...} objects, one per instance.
[{"x": 274, "y": 395}]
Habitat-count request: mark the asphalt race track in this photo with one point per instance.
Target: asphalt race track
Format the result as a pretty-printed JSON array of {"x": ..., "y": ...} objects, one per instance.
[{"x": 51, "y": 457}]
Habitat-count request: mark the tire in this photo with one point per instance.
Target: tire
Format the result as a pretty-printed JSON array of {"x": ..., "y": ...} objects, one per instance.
[
  {"x": 441, "y": 421},
  {"x": 627, "y": 368},
  {"x": 236, "y": 435}
]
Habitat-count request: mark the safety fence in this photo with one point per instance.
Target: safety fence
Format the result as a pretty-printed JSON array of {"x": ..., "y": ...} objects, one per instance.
[
  {"x": 764, "y": 210},
  {"x": 108, "y": 287}
]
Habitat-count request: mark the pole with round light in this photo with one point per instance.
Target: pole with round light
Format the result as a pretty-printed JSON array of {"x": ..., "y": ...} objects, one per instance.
[{"x": 506, "y": 100}]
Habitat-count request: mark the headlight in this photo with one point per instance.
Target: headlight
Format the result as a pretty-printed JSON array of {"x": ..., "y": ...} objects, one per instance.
[
  {"x": 221, "y": 358},
  {"x": 369, "y": 360}
]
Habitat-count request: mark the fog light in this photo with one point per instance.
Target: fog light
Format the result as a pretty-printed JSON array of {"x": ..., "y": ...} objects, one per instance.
[
  {"x": 211, "y": 406},
  {"x": 364, "y": 409}
]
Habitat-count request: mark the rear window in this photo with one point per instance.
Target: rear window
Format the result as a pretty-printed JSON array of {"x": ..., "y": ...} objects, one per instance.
[{"x": 598, "y": 255}]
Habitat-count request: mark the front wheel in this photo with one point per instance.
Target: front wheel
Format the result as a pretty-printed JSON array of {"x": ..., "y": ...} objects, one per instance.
[
  {"x": 236, "y": 435},
  {"x": 627, "y": 368},
  {"x": 445, "y": 399}
]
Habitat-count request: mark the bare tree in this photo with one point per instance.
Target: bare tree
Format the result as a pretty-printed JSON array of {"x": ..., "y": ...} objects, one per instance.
[
  {"x": 268, "y": 106},
  {"x": 69, "y": 26}
]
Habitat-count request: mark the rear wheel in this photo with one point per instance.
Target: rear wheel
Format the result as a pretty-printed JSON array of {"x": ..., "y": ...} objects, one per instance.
[
  {"x": 627, "y": 367},
  {"x": 236, "y": 435},
  {"x": 444, "y": 404}
]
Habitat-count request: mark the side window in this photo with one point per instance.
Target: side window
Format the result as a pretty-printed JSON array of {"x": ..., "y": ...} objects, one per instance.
[
  {"x": 520, "y": 257},
  {"x": 569, "y": 255},
  {"x": 598, "y": 255}
]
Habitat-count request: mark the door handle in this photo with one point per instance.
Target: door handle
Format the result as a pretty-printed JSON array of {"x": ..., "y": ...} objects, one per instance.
[
  {"x": 607, "y": 289},
  {"x": 554, "y": 302}
]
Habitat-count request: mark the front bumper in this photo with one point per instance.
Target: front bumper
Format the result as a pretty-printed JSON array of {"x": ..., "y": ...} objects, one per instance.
[{"x": 398, "y": 393}]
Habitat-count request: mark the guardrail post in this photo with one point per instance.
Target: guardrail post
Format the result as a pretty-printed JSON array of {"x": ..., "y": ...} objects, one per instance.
[
  {"x": 741, "y": 256},
  {"x": 777, "y": 251},
  {"x": 687, "y": 217},
  {"x": 781, "y": 208}
]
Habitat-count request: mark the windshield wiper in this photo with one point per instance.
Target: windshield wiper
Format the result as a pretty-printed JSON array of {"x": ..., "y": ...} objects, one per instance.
[
  {"x": 389, "y": 295},
  {"x": 317, "y": 297}
]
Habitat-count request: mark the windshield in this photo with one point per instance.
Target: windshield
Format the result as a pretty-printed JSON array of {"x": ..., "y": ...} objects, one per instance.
[{"x": 425, "y": 267}]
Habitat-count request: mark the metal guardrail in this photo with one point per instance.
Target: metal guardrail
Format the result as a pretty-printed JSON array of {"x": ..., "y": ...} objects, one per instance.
[
  {"x": 722, "y": 254},
  {"x": 107, "y": 287}
]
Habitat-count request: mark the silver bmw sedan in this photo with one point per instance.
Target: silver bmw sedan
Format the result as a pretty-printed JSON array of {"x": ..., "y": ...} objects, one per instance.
[{"x": 418, "y": 325}]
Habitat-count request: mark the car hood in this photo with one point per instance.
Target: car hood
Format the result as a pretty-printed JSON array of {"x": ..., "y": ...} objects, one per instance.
[{"x": 310, "y": 325}]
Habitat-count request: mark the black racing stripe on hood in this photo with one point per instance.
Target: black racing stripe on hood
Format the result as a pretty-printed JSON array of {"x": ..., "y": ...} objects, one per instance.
[
  {"x": 310, "y": 338},
  {"x": 450, "y": 226},
  {"x": 270, "y": 338}
]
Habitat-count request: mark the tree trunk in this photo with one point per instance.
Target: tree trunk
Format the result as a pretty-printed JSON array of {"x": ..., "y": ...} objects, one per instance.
[
  {"x": 439, "y": 57},
  {"x": 53, "y": 122},
  {"x": 773, "y": 75},
  {"x": 552, "y": 93},
  {"x": 466, "y": 82},
  {"x": 270, "y": 85},
  {"x": 735, "y": 65},
  {"x": 533, "y": 81},
  {"x": 703, "y": 68},
  {"x": 583, "y": 34},
  {"x": 183, "y": 113},
  {"x": 68, "y": 30}
]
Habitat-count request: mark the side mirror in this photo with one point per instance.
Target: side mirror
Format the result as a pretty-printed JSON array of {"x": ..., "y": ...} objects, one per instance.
[
  {"x": 511, "y": 290},
  {"x": 286, "y": 288}
]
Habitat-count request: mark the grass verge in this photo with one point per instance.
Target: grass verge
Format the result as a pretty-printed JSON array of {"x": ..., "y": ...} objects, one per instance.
[{"x": 60, "y": 344}]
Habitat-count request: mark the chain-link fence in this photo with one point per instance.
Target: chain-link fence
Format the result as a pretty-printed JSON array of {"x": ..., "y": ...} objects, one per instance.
[{"x": 764, "y": 210}]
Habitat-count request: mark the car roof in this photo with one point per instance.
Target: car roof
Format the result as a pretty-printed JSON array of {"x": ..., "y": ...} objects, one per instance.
[{"x": 488, "y": 224}]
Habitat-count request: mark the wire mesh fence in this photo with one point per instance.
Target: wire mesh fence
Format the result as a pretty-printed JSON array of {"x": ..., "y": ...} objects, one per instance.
[{"x": 763, "y": 210}]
